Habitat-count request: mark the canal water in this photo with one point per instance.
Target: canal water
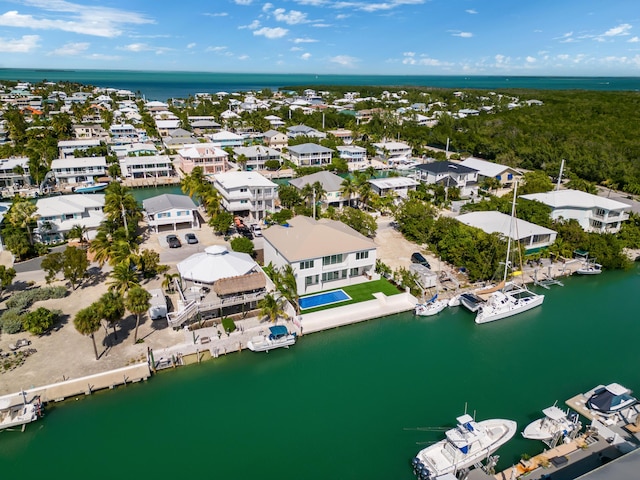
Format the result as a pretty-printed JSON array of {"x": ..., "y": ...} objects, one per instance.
[{"x": 350, "y": 403}]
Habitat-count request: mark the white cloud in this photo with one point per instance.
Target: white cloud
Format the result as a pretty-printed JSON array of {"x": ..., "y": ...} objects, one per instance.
[
  {"x": 72, "y": 17},
  {"x": 271, "y": 33},
  {"x": 342, "y": 16},
  {"x": 622, "y": 29},
  {"x": 471, "y": 11},
  {"x": 305, "y": 56},
  {"x": 502, "y": 60},
  {"x": 531, "y": 59},
  {"x": 321, "y": 25},
  {"x": 25, "y": 44},
  {"x": 374, "y": 7},
  {"x": 143, "y": 47},
  {"x": 344, "y": 60},
  {"x": 267, "y": 6},
  {"x": 463, "y": 34},
  {"x": 304, "y": 40},
  {"x": 243, "y": 57},
  {"x": 70, "y": 49},
  {"x": 102, "y": 57},
  {"x": 410, "y": 58},
  {"x": 252, "y": 26},
  {"x": 243, "y": 2},
  {"x": 191, "y": 45},
  {"x": 296, "y": 49},
  {"x": 293, "y": 17},
  {"x": 634, "y": 40},
  {"x": 562, "y": 56},
  {"x": 220, "y": 14}
]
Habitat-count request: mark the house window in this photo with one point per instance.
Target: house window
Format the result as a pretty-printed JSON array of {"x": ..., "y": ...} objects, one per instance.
[
  {"x": 362, "y": 255},
  {"x": 331, "y": 259},
  {"x": 354, "y": 272},
  {"x": 600, "y": 212},
  {"x": 311, "y": 280},
  {"x": 306, "y": 264}
]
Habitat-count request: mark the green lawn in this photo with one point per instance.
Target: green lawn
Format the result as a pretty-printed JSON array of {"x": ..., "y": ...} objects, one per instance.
[{"x": 358, "y": 293}]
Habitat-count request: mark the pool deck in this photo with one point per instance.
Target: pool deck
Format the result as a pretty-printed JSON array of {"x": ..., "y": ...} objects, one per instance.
[{"x": 345, "y": 297}]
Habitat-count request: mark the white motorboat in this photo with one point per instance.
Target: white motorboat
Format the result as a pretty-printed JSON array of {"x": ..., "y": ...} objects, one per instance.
[
  {"x": 589, "y": 268},
  {"x": 431, "y": 307},
  {"x": 555, "y": 424},
  {"x": 609, "y": 399},
  {"x": 15, "y": 415},
  {"x": 470, "y": 442},
  {"x": 278, "y": 337},
  {"x": 511, "y": 299}
]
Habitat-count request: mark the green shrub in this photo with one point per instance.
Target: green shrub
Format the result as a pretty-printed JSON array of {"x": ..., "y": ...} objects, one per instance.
[
  {"x": 39, "y": 321},
  {"x": 11, "y": 321},
  {"x": 23, "y": 300},
  {"x": 228, "y": 324}
]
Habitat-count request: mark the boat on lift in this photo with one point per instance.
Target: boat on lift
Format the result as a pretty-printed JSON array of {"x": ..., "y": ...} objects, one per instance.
[
  {"x": 555, "y": 425},
  {"x": 278, "y": 337}
]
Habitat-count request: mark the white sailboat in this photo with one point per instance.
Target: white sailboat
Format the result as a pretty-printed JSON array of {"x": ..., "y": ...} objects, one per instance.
[
  {"x": 467, "y": 444},
  {"x": 511, "y": 299}
]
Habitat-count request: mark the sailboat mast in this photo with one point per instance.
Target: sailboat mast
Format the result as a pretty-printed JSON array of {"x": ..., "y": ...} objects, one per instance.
[{"x": 513, "y": 213}]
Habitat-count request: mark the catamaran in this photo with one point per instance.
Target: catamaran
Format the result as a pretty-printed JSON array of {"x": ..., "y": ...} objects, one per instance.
[
  {"x": 511, "y": 299},
  {"x": 470, "y": 442}
]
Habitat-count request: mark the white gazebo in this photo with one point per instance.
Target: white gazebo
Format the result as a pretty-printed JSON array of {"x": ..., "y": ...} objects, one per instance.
[{"x": 215, "y": 263}]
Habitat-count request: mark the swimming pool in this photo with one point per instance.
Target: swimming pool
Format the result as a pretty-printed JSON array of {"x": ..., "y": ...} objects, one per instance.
[{"x": 322, "y": 299}]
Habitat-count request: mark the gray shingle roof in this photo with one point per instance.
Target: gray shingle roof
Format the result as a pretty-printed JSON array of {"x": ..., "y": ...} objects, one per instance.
[{"x": 168, "y": 201}]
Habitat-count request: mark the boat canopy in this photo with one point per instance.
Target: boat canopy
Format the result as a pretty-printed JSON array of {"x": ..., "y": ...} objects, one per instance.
[
  {"x": 554, "y": 413},
  {"x": 278, "y": 331},
  {"x": 610, "y": 398}
]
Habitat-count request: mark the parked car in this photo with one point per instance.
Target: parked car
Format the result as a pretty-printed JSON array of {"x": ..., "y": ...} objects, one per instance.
[
  {"x": 173, "y": 241},
  {"x": 191, "y": 238},
  {"x": 417, "y": 257},
  {"x": 257, "y": 230}
]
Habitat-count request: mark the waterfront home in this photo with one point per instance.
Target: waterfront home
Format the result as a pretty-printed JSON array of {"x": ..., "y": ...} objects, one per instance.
[
  {"x": 324, "y": 254},
  {"x": 211, "y": 158},
  {"x": 78, "y": 170},
  {"x": 331, "y": 184},
  {"x": 449, "y": 174},
  {"x": 355, "y": 156},
  {"x": 179, "y": 139},
  {"x": 203, "y": 124},
  {"x": 68, "y": 148},
  {"x": 310, "y": 155},
  {"x": 170, "y": 210},
  {"x": 398, "y": 186},
  {"x": 93, "y": 130},
  {"x": 246, "y": 194},
  {"x": 123, "y": 133},
  {"x": 256, "y": 156},
  {"x": 393, "y": 150},
  {"x": 275, "y": 121},
  {"x": 504, "y": 174},
  {"x": 593, "y": 213},
  {"x": 146, "y": 166},
  {"x": 14, "y": 171},
  {"x": 225, "y": 138},
  {"x": 56, "y": 216},
  {"x": 343, "y": 134},
  {"x": 275, "y": 139},
  {"x": 134, "y": 149},
  {"x": 166, "y": 127},
  {"x": 531, "y": 236},
  {"x": 304, "y": 131}
]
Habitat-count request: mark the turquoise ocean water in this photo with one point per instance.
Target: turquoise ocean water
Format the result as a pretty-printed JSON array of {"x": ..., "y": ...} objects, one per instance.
[
  {"x": 346, "y": 403},
  {"x": 165, "y": 85}
]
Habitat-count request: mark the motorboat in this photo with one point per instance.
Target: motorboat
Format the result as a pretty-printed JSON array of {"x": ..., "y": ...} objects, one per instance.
[
  {"x": 471, "y": 301},
  {"x": 16, "y": 415},
  {"x": 589, "y": 268},
  {"x": 91, "y": 187},
  {"x": 609, "y": 399},
  {"x": 467, "y": 444},
  {"x": 508, "y": 302},
  {"x": 431, "y": 307},
  {"x": 278, "y": 337},
  {"x": 555, "y": 424},
  {"x": 510, "y": 299}
]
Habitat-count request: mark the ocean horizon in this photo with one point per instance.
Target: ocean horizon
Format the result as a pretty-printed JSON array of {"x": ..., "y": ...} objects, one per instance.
[{"x": 163, "y": 85}]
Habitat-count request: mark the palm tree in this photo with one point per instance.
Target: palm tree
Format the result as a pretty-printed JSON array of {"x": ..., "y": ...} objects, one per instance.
[
  {"x": 169, "y": 281},
  {"x": 22, "y": 214},
  {"x": 289, "y": 286},
  {"x": 365, "y": 192},
  {"x": 78, "y": 231},
  {"x": 272, "y": 308},
  {"x": 121, "y": 207},
  {"x": 137, "y": 302},
  {"x": 123, "y": 278},
  {"x": 348, "y": 189},
  {"x": 100, "y": 247},
  {"x": 87, "y": 322},
  {"x": 111, "y": 308}
]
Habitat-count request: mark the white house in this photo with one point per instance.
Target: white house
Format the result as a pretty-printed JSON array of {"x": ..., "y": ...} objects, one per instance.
[
  {"x": 246, "y": 194},
  {"x": 66, "y": 148},
  {"x": 304, "y": 131},
  {"x": 506, "y": 175},
  {"x": 323, "y": 253},
  {"x": 310, "y": 155},
  {"x": 146, "y": 166},
  {"x": 171, "y": 210},
  {"x": 56, "y": 216},
  {"x": 449, "y": 174},
  {"x": 399, "y": 185},
  {"x": 275, "y": 139},
  {"x": 593, "y": 213},
  {"x": 355, "y": 156},
  {"x": 77, "y": 170},
  {"x": 343, "y": 134},
  {"x": 123, "y": 133},
  {"x": 256, "y": 156},
  {"x": 8, "y": 174},
  {"x": 529, "y": 235},
  {"x": 331, "y": 184},
  {"x": 393, "y": 150},
  {"x": 225, "y": 138}
]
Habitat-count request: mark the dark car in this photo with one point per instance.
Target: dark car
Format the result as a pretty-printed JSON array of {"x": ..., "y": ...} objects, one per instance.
[
  {"x": 191, "y": 238},
  {"x": 418, "y": 258},
  {"x": 173, "y": 241}
]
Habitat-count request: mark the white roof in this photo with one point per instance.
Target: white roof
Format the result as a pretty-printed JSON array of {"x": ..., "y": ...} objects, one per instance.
[
  {"x": 168, "y": 123},
  {"x": 485, "y": 168},
  {"x": 68, "y": 204},
  {"x": 351, "y": 148},
  {"x": 576, "y": 198},
  {"x": 497, "y": 222},
  {"x": 88, "y": 142},
  {"x": 392, "y": 145},
  {"x": 78, "y": 162},
  {"x": 393, "y": 182},
  {"x": 225, "y": 135},
  {"x": 11, "y": 163},
  {"x": 214, "y": 263},
  {"x": 230, "y": 180}
]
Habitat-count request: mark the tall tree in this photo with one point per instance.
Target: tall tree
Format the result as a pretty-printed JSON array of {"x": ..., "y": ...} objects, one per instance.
[
  {"x": 272, "y": 308},
  {"x": 22, "y": 215},
  {"x": 74, "y": 265},
  {"x": 123, "y": 278},
  {"x": 87, "y": 322},
  {"x": 6, "y": 277},
  {"x": 137, "y": 302},
  {"x": 111, "y": 307}
]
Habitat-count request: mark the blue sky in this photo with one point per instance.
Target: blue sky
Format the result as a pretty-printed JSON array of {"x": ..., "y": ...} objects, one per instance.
[{"x": 403, "y": 37}]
